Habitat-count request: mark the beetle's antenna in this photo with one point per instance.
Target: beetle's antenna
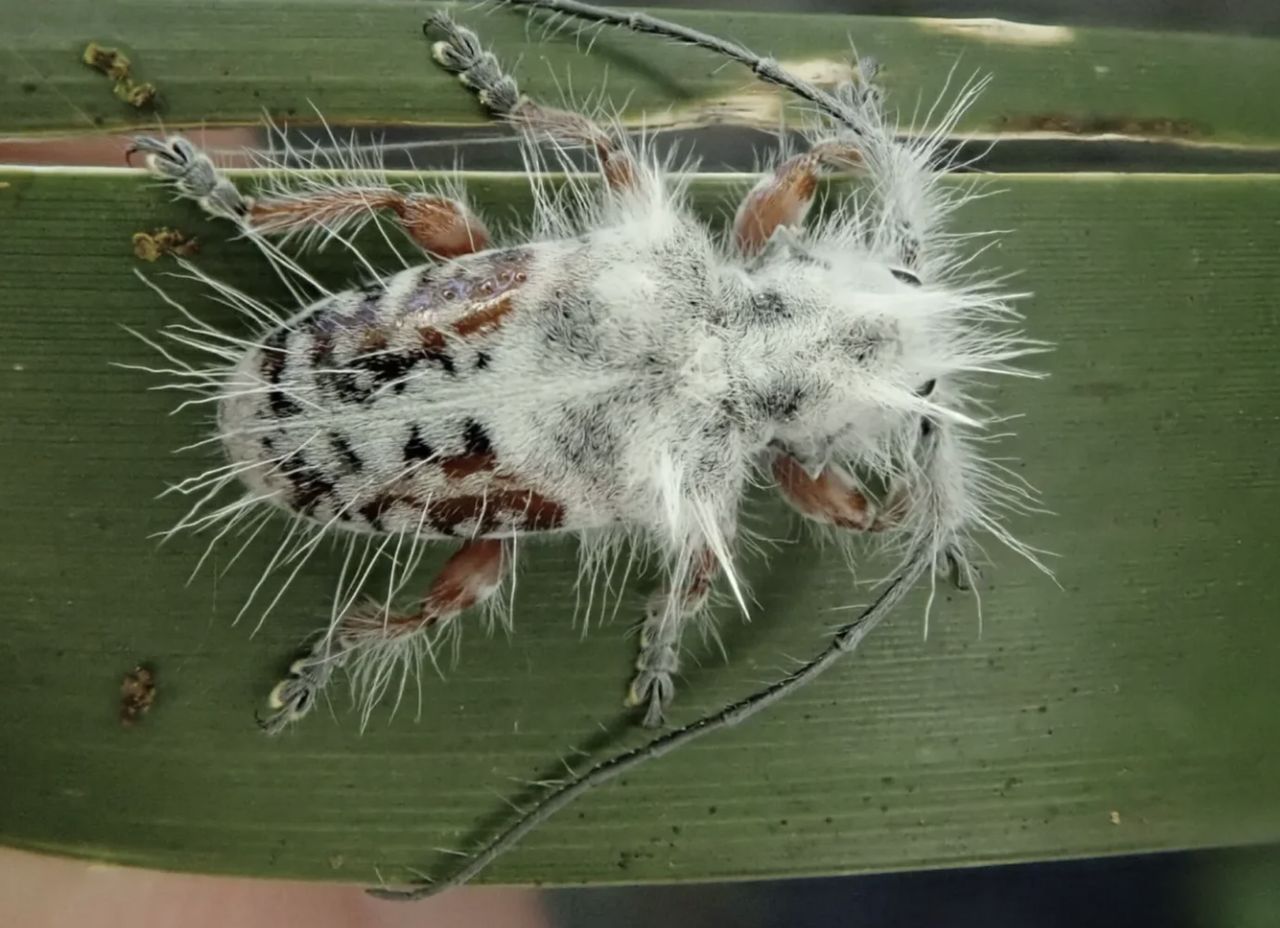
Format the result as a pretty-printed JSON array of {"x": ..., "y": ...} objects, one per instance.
[
  {"x": 846, "y": 640},
  {"x": 767, "y": 69}
]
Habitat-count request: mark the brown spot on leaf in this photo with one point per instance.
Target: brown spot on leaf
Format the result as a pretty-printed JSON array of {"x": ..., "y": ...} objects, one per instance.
[
  {"x": 116, "y": 65},
  {"x": 110, "y": 61},
  {"x": 137, "y": 694},
  {"x": 138, "y": 95}
]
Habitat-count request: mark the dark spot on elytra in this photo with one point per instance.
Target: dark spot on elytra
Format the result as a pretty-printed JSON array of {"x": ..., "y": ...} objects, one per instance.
[
  {"x": 351, "y": 461},
  {"x": 387, "y": 369},
  {"x": 274, "y": 358},
  {"x": 309, "y": 485},
  {"x": 482, "y": 360},
  {"x": 475, "y": 439},
  {"x": 274, "y": 355},
  {"x": 928, "y": 387},
  {"x": 442, "y": 358},
  {"x": 345, "y": 385},
  {"x": 905, "y": 276},
  {"x": 321, "y": 349},
  {"x": 282, "y": 405},
  {"x": 415, "y": 449}
]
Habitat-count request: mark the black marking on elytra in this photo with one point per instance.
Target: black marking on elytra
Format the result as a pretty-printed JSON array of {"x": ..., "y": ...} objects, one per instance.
[
  {"x": 344, "y": 385},
  {"x": 905, "y": 276},
  {"x": 475, "y": 439},
  {"x": 415, "y": 449},
  {"x": 282, "y": 406},
  {"x": 321, "y": 349},
  {"x": 372, "y": 512},
  {"x": 928, "y": 387},
  {"x": 387, "y": 369},
  {"x": 482, "y": 360},
  {"x": 927, "y": 427},
  {"x": 324, "y": 318},
  {"x": 352, "y": 463},
  {"x": 441, "y": 357},
  {"x": 275, "y": 354},
  {"x": 274, "y": 358},
  {"x": 309, "y": 485}
]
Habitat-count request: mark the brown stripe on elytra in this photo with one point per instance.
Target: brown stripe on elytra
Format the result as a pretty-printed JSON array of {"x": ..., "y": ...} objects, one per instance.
[
  {"x": 488, "y": 317},
  {"x": 373, "y": 511},
  {"x": 500, "y": 509},
  {"x": 432, "y": 338}
]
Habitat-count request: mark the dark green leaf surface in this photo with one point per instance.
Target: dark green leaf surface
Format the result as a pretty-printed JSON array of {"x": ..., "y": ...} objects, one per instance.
[
  {"x": 1130, "y": 709},
  {"x": 365, "y": 61}
]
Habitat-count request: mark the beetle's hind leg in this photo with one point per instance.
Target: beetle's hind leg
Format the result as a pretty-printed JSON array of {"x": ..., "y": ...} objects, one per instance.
[
  {"x": 441, "y": 225},
  {"x": 666, "y": 616},
  {"x": 372, "y": 644}
]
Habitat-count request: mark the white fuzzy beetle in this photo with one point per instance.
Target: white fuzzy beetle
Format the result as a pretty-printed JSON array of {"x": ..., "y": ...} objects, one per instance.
[{"x": 622, "y": 374}]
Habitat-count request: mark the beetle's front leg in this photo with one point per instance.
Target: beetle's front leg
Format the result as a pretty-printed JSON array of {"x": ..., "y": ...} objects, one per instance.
[
  {"x": 783, "y": 198},
  {"x": 459, "y": 51},
  {"x": 829, "y": 495},
  {"x": 441, "y": 226}
]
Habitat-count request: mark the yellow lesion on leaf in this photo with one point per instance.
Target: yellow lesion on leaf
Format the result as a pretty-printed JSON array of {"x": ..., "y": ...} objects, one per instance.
[
  {"x": 151, "y": 246},
  {"x": 116, "y": 65}
]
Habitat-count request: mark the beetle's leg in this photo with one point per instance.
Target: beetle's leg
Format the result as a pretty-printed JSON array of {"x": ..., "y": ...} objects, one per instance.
[
  {"x": 440, "y": 225},
  {"x": 784, "y": 197},
  {"x": 468, "y": 578},
  {"x": 830, "y": 497},
  {"x": 459, "y": 50},
  {"x": 666, "y": 615}
]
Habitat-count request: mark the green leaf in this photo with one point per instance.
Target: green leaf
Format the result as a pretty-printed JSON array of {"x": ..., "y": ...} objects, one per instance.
[
  {"x": 1129, "y": 708},
  {"x": 365, "y": 62}
]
